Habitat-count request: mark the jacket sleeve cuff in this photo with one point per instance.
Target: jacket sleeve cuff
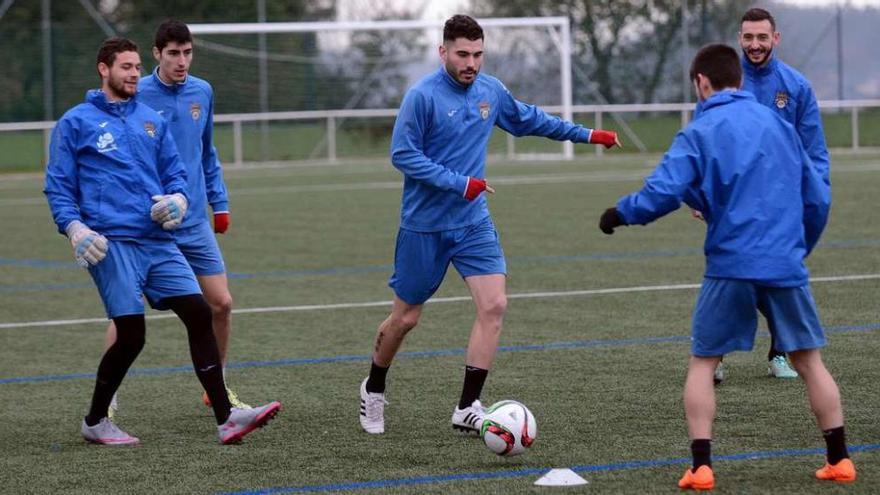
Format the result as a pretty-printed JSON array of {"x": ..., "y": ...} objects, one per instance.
[
  {"x": 461, "y": 182},
  {"x": 584, "y": 135}
]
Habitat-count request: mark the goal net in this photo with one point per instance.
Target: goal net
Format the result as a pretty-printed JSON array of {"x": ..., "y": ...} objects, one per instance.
[{"x": 318, "y": 90}]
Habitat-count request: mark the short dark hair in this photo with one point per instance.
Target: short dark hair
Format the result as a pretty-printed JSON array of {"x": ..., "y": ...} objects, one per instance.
[
  {"x": 757, "y": 15},
  {"x": 111, "y": 46},
  {"x": 172, "y": 31},
  {"x": 462, "y": 26},
  {"x": 720, "y": 64}
]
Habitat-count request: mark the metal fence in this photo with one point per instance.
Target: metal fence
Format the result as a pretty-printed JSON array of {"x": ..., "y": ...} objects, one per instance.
[{"x": 333, "y": 118}]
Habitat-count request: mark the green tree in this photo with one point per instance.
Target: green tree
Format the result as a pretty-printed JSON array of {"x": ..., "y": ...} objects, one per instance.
[{"x": 627, "y": 48}]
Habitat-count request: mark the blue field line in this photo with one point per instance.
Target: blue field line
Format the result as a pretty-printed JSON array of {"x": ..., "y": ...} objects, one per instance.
[
  {"x": 579, "y": 344},
  {"x": 44, "y": 287},
  {"x": 31, "y": 263},
  {"x": 321, "y": 272},
  {"x": 520, "y": 473}
]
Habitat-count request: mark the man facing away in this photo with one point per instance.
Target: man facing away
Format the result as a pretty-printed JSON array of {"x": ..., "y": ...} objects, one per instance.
[
  {"x": 765, "y": 205},
  {"x": 439, "y": 144},
  {"x": 116, "y": 187},
  {"x": 187, "y": 105}
]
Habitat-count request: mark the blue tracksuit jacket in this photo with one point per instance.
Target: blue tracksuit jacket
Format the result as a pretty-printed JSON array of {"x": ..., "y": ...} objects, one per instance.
[
  {"x": 188, "y": 107},
  {"x": 440, "y": 139},
  {"x": 764, "y": 202},
  {"x": 106, "y": 160}
]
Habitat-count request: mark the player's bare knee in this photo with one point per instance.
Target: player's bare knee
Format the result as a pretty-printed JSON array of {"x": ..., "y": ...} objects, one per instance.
[
  {"x": 805, "y": 362},
  {"x": 404, "y": 322},
  {"x": 222, "y": 305},
  {"x": 494, "y": 309}
]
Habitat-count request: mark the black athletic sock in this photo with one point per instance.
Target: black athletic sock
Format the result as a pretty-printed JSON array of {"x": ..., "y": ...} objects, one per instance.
[
  {"x": 772, "y": 352},
  {"x": 376, "y": 381},
  {"x": 130, "y": 331},
  {"x": 835, "y": 444},
  {"x": 474, "y": 378},
  {"x": 701, "y": 450},
  {"x": 196, "y": 316}
]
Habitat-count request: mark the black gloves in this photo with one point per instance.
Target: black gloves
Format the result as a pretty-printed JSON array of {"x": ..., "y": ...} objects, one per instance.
[{"x": 610, "y": 220}]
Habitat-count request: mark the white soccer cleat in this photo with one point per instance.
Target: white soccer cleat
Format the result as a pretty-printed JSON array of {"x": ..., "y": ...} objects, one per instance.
[
  {"x": 243, "y": 421},
  {"x": 106, "y": 433},
  {"x": 779, "y": 368},
  {"x": 372, "y": 414},
  {"x": 469, "y": 419},
  {"x": 719, "y": 374}
]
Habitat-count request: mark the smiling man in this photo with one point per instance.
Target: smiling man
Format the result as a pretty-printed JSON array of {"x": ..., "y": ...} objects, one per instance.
[{"x": 439, "y": 144}]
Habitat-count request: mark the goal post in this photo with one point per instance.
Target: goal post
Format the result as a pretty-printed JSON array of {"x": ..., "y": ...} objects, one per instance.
[{"x": 355, "y": 65}]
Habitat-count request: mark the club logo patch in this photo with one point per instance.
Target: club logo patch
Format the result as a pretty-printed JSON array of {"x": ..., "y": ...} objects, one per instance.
[
  {"x": 484, "y": 110},
  {"x": 195, "y": 110},
  {"x": 781, "y": 100},
  {"x": 150, "y": 128}
]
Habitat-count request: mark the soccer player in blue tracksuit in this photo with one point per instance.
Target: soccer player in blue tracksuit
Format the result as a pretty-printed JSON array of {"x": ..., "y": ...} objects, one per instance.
[
  {"x": 765, "y": 206},
  {"x": 116, "y": 187},
  {"x": 187, "y": 104},
  {"x": 788, "y": 93},
  {"x": 439, "y": 144}
]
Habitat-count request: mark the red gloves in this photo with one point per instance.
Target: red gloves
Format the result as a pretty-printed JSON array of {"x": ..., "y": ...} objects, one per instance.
[
  {"x": 605, "y": 138},
  {"x": 221, "y": 222},
  {"x": 474, "y": 187}
]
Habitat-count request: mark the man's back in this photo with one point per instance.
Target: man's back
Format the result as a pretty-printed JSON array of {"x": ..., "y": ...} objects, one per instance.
[{"x": 744, "y": 168}]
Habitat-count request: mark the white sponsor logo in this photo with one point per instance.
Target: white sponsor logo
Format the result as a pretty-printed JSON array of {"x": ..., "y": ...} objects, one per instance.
[
  {"x": 103, "y": 124},
  {"x": 106, "y": 143},
  {"x": 452, "y": 113}
]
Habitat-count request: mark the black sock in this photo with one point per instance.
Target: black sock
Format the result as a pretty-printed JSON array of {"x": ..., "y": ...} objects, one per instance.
[
  {"x": 835, "y": 443},
  {"x": 772, "y": 353},
  {"x": 474, "y": 378},
  {"x": 701, "y": 450},
  {"x": 114, "y": 365},
  {"x": 376, "y": 381},
  {"x": 196, "y": 316}
]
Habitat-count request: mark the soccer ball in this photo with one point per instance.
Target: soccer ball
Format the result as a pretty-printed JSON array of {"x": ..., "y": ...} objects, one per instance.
[{"x": 508, "y": 428}]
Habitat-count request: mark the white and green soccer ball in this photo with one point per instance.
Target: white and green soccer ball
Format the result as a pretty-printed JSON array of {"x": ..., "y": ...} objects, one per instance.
[{"x": 508, "y": 428}]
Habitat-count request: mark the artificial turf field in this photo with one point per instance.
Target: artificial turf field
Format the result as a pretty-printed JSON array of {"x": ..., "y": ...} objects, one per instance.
[{"x": 309, "y": 254}]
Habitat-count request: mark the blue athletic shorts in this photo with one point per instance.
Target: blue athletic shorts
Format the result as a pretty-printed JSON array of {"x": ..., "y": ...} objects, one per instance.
[
  {"x": 421, "y": 258},
  {"x": 726, "y": 319},
  {"x": 134, "y": 269},
  {"x": 199, "y": 246}
]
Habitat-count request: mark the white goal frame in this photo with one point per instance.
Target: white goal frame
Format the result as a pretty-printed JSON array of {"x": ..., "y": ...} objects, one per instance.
[{"x": 562, "y": 40}]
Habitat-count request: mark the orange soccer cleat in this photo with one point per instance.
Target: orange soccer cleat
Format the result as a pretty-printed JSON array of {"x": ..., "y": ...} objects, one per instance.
[
  {"x": 701, "y": 479},
  {"x": 842, "y": 472}
]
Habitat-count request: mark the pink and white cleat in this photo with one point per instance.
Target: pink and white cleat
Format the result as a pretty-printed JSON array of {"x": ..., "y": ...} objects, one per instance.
[
  {"x": 106, "y": 433},
  {"x": 243, "y": 421}
]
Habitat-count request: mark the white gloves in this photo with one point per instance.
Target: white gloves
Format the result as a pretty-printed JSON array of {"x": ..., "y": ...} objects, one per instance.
[
  {"x": 168, "y": 210},
  {"x": 89, "y": 247}
]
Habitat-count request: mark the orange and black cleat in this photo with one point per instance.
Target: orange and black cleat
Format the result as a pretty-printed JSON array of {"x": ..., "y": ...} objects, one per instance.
[
  {"x": 842, "y": 472},
  {"x": 701, "y": 479}
]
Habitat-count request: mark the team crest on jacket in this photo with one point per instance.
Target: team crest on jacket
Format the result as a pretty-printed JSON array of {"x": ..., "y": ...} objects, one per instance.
[
  {"x": 195, "y": 110},
  {"x": 150, "y": 128},
  {"x": 781, "y": 99},
  {"x": 484, "y": 110}
]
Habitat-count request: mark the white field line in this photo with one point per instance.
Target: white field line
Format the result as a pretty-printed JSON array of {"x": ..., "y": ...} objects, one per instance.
[
  {"x": 513, "y": 180},
  {"x": 436, "y": 300}
]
